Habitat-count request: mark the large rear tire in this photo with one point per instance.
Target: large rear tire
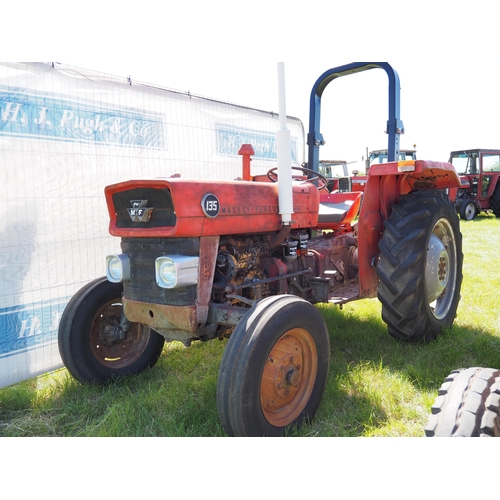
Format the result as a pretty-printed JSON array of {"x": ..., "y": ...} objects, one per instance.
[
  {"x": 495, "y": 200},
  {"x": 274, "y": 369},
  {"x": 88, "y": 344},
  {"x": 420, "y": 266},
  {"x": 467, "y": 405}
]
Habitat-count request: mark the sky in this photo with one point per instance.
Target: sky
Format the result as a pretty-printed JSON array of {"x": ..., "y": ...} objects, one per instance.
[
  {"x": 447, "y": 61},
  {"x": 445, "y": 105}
]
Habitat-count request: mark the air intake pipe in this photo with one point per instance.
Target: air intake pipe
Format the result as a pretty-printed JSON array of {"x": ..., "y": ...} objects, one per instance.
[{"x": 284, "y": 146}]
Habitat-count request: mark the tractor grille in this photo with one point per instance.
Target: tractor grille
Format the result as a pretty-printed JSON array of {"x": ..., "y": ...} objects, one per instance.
[
  {"x": 142, "y": 253},
  {"x": 344, "y": 185},
  {"x": 158, "y": 201}
]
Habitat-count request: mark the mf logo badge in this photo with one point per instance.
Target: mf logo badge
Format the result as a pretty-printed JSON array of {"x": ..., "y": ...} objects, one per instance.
[
  {"x": 139, "y": 211},
  {"x": 210, "y": 205}
]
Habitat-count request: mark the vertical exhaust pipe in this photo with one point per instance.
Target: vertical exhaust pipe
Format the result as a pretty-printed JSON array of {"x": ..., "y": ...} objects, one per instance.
[{"x": 284, "y": 146}]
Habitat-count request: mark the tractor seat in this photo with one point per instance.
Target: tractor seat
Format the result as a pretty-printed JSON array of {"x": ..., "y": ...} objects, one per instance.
[
  {"x": 333, "y": 212},
  {"x": 338, "y": 208}
]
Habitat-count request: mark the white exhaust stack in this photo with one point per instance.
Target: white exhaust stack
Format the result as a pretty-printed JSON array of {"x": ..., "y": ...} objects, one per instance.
[{"x": 284, "y": 145}]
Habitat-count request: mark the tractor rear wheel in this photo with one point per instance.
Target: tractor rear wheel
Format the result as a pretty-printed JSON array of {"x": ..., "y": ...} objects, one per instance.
[
  {"x": 467, "y": 405},
  {"x": 468, "y": 210},
  {"x": 274, "y": 369},
  {"x": 420, "y": 266},
  {"x": 495, "y": 200},
  {"x": 90, "y": 343}
]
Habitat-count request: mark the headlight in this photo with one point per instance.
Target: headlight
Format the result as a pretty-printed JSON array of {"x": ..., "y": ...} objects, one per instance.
[
  {"x": 176, "y": 271},
  {"x": 118, "y": 268}
]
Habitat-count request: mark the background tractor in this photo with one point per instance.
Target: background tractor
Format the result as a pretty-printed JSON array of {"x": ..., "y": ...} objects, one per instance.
[
  {"x": 479, "y": 171},
  {"x": 246, "y": 261},
  {"x": 358, "y": 182},
  {"x": 336, "y": 173}
]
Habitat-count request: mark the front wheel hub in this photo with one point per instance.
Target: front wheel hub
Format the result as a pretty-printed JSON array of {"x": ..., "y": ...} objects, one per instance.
[
  {"x": 288, "y": 377},
  {"x": 292, "y": 376}
]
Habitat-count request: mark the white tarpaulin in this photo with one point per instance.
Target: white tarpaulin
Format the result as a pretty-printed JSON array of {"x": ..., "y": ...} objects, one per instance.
[{"x": 66, "y": 133}]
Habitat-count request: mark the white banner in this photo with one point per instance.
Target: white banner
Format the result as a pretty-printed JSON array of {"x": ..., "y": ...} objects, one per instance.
[{"x": 65, "y": 134}]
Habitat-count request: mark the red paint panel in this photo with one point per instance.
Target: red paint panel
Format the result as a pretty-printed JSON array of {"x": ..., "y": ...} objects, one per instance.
[{"x": 244, "y": 207}]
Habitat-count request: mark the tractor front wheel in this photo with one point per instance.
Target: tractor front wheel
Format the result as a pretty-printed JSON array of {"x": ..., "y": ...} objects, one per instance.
[
  {"x": 467, "y": 405},
  {"x": 92, "y": 342},
  {"x": 468, "y": 210},
  {"x": 274, "y": 369},
  {"x": 420, "y": 266}
]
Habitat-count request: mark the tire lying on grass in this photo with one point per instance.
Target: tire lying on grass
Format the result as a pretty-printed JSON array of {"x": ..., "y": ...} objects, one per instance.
[{"x": 468, "y": 405}]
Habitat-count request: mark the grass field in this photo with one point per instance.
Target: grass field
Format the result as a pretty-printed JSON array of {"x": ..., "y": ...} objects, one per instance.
[{"x": 377, "y": 386}]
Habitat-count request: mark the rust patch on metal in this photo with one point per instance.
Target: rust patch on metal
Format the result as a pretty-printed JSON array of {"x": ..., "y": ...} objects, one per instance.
[
  {"x": 161, "y": 316},
  {"x": 209, "y": 247}
]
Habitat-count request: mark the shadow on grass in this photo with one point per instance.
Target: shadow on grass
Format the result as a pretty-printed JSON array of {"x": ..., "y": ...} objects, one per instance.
[
  {"x": 175, "y": 398},
  {"x": 372, "y": 377},
  {"x": 355, "y": 340},
  {"x": 370, "y": 370}
]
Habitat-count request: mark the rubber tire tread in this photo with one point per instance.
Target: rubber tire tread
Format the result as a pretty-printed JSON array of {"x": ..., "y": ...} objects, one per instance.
[
  {"x": 402, "y": 261},
  {"x": 74, "y": 328},
  {"x": 460, "y": 405},
  {"x": 242, "y": 363},
  {"x": 463, "y": 207},
  {"x": 495, "y": 199},
  {"x": 490, "y": 423}
]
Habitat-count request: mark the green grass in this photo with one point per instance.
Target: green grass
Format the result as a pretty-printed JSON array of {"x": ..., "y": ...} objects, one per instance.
[{"x": 377, "y": 386}]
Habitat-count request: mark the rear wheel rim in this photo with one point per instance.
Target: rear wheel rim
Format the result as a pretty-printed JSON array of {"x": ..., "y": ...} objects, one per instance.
[
  {"x": 109, "y": 350},
  {"x": 288, "y": 377},
  {"x": 441, "y": 268}
]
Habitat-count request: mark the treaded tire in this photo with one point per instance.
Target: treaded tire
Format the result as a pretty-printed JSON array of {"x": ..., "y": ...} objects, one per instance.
[
  {"x": 274, "y": 369},
  {"x": 88, "y": 350},
  {"x": 468, "y": 210},
  {"x": 459, "y": 409},
  {"x": 495, "y": 200},
  {"x": 490, "y": 423},
  {"x": 420, "y": 266}
]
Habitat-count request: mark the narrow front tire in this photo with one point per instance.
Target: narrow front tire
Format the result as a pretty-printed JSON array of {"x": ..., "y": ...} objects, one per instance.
[
  {"x": 88, "y": 342},
  {"x": 274, "y": 369}
]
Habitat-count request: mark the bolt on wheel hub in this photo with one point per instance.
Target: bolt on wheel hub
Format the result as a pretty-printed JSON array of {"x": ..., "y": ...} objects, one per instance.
[
  {"x": 436, "y": 271},
  {"x": 288, "y": 377}
]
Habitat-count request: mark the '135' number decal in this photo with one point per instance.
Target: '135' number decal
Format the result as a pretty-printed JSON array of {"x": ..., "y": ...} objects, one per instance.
[{"x": 210, "y": 205}]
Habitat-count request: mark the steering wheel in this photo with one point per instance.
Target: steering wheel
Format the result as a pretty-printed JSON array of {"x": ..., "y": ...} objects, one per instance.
[{"x": 322, "y": 182}]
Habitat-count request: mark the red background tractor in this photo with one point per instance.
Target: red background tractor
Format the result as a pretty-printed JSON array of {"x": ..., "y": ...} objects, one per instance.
[{"x": 479, "y": 171}]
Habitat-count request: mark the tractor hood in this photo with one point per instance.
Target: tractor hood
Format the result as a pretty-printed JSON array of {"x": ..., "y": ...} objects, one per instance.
[{"x": 176, "y": 207}]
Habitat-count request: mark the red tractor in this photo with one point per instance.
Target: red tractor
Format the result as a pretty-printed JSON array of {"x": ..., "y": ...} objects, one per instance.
[
  {"x": 479, "y": 171},
  {"x": 247, "y": 259}
]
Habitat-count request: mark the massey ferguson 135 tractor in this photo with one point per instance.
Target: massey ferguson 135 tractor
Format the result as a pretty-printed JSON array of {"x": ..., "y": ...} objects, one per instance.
[
  {"x": 247, "y": 259},
  {"x": 479, "y": 171}
]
